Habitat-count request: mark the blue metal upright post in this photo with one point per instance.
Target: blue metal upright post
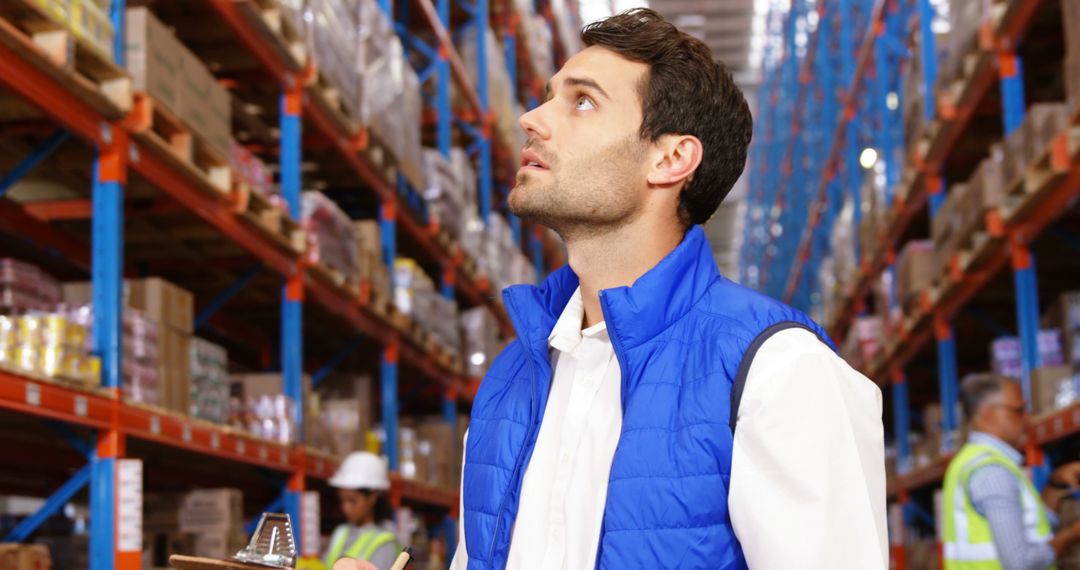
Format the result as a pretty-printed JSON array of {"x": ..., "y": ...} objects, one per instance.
[
  {"x": 292, "y": 314},
  {"x": 947, "y": 379},
  {"x": 1011, "y": 69},
  {"x": 389, "y": 365},
  {"x": 928, "y": 59},
  {"x": 1027, "y": 311},
  {"x": 444, "y": 135},
  {"x": 901, "y": 421},
  {"x": 107, "y": 243},
  {"x": 486, "y": 174}
]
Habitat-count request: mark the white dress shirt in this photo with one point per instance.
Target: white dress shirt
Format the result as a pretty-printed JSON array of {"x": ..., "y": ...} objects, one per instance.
[{"x": 808, "y": 466}]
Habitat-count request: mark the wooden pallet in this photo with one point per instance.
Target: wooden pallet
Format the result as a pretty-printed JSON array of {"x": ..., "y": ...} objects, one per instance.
[
  {"x": 336, "y": 279},
  {"x": 260, "y": 213},
  {"x": 158, "y": 127},
  {"x": 47, "y": 43}
]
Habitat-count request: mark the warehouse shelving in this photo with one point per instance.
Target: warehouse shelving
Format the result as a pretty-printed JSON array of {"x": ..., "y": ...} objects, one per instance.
[
  {"x": 978, "y": 274},
  {"x": 79, "y": 109}
]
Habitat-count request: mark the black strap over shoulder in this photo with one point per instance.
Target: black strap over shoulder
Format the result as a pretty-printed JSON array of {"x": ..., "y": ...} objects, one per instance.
[{"x": 739, "y": 384}]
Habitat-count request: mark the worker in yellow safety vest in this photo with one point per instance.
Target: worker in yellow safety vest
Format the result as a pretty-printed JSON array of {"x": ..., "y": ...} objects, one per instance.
[
  {"x": 363, "y": 482},
  {"x": 995, "y": 519}
]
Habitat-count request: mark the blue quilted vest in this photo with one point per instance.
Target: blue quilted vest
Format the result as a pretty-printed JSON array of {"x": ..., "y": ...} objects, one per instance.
[{"x": 680, "y": 334}]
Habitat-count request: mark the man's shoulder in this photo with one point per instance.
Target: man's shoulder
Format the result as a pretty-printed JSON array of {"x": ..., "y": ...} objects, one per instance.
[{"x": 748, "y": 311}]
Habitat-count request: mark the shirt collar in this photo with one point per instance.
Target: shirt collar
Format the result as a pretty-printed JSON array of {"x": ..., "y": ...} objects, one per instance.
[
  {"x": 567, "y": 333},
  {"x": 983, "y": 438}
]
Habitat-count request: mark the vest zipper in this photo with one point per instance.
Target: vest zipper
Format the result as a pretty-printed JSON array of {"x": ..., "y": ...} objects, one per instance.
[
  {"x": 624, "y": 370},
  {"x": 517, "y": 462}
]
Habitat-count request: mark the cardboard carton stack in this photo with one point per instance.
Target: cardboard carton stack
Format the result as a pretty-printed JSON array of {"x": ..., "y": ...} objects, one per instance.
[
  {"x": 966, "y": 17},
  {"x": 25, "y": 287},
  {"x": 24, "y": 557},
  {"x": 415, "y": 295},
  {"x": 946, "y": 225},
  {"x": 370, "y": 265},
  {"x": 177, "y": 80},
  {"x": 330, "y": 235},
  {"x": 346, "y": 414},
  {"x": 210, "y": 381},
  {"x": 205, "y": 522},
  {"x": 480, "y": 340},
  {"x": 1071, "y": 22},
  {"x": 158, "y": 322},
  {"x": 261, "y": 409},
  {"x": 916, "y": 270},
  {"x": 986, "y": 192},
  {"x": 1042, "y": 123},
  {"x": 843, "y": 243},
  {"x": 430, "y": 450}
]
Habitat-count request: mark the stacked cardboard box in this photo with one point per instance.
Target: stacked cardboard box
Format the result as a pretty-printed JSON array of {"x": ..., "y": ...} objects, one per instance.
[
  {"x": 333, "y": 32},
  {"x": 1042, "y": 123},
  {"x": 24, "y": 557},
  {"x": 500, "y": 91},
  {"x": 1071, "y": 22},
  {"x": 945, "y": 227},
  {"x": 209, "y": 381},
  {"x": 415, "y": 295},
  {"x": 25, "y": 287},
  {"x": 916, "y": 270},
  {"x": 177, "y": 79},
  {"x": 346, "y": 413},
  {"x": 391, "y": 102},
  {"x": 330, "y": 235},
  {"x": 1069, "y": 315},
  {"x": 206, "y": 523},
  {"x": 966, "y": 17},
  {"x": 447, "y": 191},
  {"x": 843, "y": 243},
  {"x": 480, "y": 339},
  {"x": 168, "y": 308},
  {"x": 370, "y": 264},
  {"x": 261, "y": 409},
  {"x": 986, "y": 192},
  {"x": 1052, "y": 388}
]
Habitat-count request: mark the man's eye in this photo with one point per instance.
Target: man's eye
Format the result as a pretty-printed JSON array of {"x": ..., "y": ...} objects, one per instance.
[{"x": 584, "y": 104}]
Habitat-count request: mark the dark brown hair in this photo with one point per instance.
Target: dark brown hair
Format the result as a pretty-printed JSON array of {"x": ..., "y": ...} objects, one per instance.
[{"x": 685, "y": 93}]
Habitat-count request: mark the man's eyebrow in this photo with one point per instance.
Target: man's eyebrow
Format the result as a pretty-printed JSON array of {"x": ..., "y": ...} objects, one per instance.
[{"x": 575, "y": 82}]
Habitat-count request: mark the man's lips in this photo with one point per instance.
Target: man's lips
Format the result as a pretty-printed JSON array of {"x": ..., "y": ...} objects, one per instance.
[{"x": 531, "y": 160}]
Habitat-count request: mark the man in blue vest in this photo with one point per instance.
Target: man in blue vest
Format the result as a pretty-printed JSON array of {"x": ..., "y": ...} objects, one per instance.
[{"x": 651, "y": 413}]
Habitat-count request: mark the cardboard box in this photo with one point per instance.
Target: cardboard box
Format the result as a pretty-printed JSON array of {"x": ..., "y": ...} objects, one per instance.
[
  {"x": 153, "y": 57},
  {"x": 1045, "y": 384},
  {"x": 1070, "y": 19},
  {"x": 162, "y": 301},
  {"x": 986, "y": 192},
  {"x": 214, "y": 511},
  {"x": 174, "y": 369},
  {"x": 205, "y": 105},
  {"x": 917, "y": 269}
]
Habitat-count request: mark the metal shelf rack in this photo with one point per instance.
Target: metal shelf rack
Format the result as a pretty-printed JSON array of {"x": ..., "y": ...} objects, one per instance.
[{"x": 81, "y": 111}]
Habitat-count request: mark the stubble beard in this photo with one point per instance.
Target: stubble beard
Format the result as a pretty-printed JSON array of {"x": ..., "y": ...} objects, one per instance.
[{"x": 586, "y": 197}]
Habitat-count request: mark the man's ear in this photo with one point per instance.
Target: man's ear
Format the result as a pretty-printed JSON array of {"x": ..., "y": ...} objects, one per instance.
[{"x": 676, "y": 158}]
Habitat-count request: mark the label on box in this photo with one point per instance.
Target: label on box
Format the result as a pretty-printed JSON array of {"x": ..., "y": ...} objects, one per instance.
[
  {"x": 309, "y": 524},
  {"x": 129, "y": 503}
]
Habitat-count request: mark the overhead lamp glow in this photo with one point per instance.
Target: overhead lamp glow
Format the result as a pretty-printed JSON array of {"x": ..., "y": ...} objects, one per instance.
[
  {"x": 868, "y": 158},
  {"x": 892, "y": 101}
]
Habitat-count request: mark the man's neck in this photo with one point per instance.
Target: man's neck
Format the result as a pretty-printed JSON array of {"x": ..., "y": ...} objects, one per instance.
[{"x": 615, "y": 259}]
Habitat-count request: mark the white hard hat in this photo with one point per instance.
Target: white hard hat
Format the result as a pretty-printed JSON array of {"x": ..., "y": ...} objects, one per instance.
[{"x": 362, "y": 470}]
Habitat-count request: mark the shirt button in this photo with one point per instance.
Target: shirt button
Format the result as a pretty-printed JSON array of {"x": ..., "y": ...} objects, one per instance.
[
  {"x": 556, "y": 534},
  {"x": 565, "y": 459},
  {"x": 588, "y": 380}
]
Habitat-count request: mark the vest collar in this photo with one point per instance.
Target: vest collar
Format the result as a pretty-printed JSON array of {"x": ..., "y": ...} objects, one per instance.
[{"x": 634, "y": 314}]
